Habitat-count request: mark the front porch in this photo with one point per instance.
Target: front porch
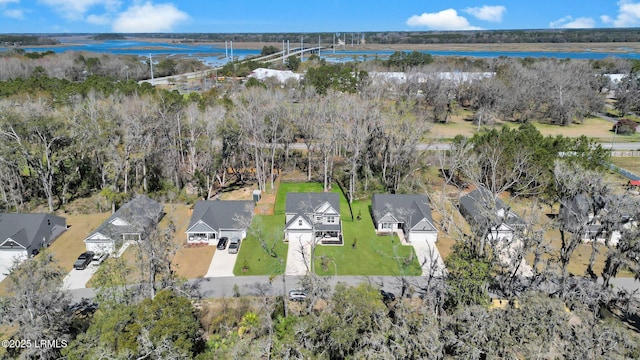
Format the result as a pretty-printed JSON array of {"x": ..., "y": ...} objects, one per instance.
[
  {"x": 201, "y": 238},
  {"x": 329, "y": 237}
]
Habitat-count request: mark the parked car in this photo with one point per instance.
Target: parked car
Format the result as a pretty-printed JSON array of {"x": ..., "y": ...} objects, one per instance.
[
  {"x": 222, "y": 243},
  {"x": 234, "y": 246},
  {"x": 297, "y": 295},
  {"x": 387, "y": 296},
  {"x": 83, "y": 260},
  {"x": 99, "y": 258}
]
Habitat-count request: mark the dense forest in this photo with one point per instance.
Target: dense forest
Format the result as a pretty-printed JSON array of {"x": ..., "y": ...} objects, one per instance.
[
  {"x": 26, "y": 40},
  {"x": 77, "y": 125}
]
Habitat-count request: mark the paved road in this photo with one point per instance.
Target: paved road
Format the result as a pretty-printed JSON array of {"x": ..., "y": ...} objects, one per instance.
[
  {"x": 219, "y": 287},
  {"x": 246, "y": 285}
]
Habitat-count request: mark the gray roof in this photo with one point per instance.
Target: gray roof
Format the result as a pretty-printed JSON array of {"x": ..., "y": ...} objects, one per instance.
[
  {"x": 142, "y": 213},
  {"x": 31, "y": 231},
  {"x": 222, "y": 214},
  {"x": 304, "y": 203},
  {"x": 481, "y": 208},
  {"x": 409, "y": 209}
]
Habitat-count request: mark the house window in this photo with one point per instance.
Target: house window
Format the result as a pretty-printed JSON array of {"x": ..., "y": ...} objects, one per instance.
[
  {"x": 318, "y": 218},
  {"x": 299, "y": 222},
  {"x": 331, "y": 219},
  {"x": 387, "y": 226}
]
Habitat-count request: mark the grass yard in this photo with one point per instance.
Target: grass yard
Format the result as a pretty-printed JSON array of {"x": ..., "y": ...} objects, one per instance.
[
  {"x": 70, "y": 244},
  {"x": 371, "y": 254},
  {"x": 629, "y": 163},
  {"x": 252, "y": 256},
  {"x": 594, "y": 127}
]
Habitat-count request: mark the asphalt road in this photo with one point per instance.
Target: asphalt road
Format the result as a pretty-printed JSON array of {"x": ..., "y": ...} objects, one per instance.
[{"x": 220, "y": 287}]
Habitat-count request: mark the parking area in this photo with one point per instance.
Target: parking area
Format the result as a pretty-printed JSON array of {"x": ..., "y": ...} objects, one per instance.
[
  {"x": 222, "y": 263},
  {"x": 295, "y": 259},
  {"x": 77, "y": 279}
]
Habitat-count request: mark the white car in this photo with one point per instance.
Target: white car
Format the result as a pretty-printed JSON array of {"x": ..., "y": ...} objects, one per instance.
[
  {"x": 99, "y": 258},
  {"x": 234, "y": 246},
  {"x": 297, "y": 295}
]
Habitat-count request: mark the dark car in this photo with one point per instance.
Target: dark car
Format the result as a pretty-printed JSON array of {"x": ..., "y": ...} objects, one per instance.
[
  {"x": 222, "y": 243},
  {"x": 387, "y": 296},
  {"x": 83, "y": 260},
  {"x": 234, "y": 246}
]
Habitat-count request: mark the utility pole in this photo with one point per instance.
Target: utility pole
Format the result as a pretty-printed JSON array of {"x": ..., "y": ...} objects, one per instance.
[
  {"x": 319, "y": 46},
  {"x": 151, "y": 67},
  {"x": 283, "y": 51},
  {"x": 301, "y": 49},
  {"x": 226, "y": 51}
]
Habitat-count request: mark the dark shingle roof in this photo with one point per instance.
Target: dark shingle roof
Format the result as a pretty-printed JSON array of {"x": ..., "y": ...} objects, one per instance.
[
  {"x": 407, "y": 208},
  {"x": 28, "y": 230},
  {"x": 302, "y": 203},
  {"x": 142, "y": 213},
  {"x": 222, "y": 214},
  {"x": 482, "y": 208}
]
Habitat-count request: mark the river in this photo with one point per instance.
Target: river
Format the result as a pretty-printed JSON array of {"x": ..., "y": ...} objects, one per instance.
[{"x": 216, "y": 56}]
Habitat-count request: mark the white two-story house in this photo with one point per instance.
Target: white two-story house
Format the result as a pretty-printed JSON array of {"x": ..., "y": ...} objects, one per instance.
[{"x": 313, "y": 217}]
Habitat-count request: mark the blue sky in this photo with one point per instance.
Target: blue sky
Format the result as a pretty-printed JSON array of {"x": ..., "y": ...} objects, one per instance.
[{"x": 97, "y": 16}]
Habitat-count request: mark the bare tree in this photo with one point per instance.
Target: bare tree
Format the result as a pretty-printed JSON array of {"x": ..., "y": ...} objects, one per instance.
[{"x": 37, "y": 306}]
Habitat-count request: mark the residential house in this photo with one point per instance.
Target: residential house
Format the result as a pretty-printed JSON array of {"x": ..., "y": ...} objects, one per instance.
[
  {"x": 313, "y": 217},
  {"x": 212, "y": 220},
  {"x": 582, "y": 215},
  {"x": 489, "y": 215},
  {"x": 410, "y": 214},
  {"x": 134, "y": 221},
  {"x": 22, "y": 235}
]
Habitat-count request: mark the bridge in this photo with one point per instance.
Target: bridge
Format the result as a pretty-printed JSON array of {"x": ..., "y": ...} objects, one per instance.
[
  {"x": 267, "y": 58},
  {"x": 283, "y": 54}
]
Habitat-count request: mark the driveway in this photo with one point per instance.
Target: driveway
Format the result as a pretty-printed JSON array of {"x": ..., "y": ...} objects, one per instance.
[
  {"x": 222, "y": 263},
  {"x": 77, "y": 279},
  {"x": 6, "y": 262},
  {"x": 295, "y": 259},
  {"x": 429, "y": 258}
]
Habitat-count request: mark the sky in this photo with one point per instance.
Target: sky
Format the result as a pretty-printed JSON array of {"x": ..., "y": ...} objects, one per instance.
[{"x": 260, "y": 16}]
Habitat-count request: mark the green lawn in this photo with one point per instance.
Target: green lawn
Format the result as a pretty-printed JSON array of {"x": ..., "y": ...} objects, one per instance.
[
  {"x": 372, "y": 254},
  {"x": 251, "y": 254}
]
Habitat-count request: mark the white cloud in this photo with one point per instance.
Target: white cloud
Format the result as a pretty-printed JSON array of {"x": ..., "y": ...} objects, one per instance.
[
  {"x": 487, "y": 12},
  {"x": 103, "y": 19},
  {"x": 444, "y": 20},
  {"x": 14, "y": 13},
  {"x": 75, "y": 9},
  {"x": 149, "y": 18},
  {"x": 628, "y": 15},
  {"x": 568, "y": 22}
]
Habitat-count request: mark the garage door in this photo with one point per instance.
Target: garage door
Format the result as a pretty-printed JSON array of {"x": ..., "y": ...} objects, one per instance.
[
  {"x": 231, "y": 234},
  {"x": 7, "y": 259},
  {"x": 422, "y": 236},
  {"x": 101, "y": 247},
  {"x": 298, "y": 237}
]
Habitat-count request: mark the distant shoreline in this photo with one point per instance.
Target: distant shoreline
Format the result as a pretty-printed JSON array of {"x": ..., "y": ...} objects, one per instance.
[{"x": 609, "y": 47}]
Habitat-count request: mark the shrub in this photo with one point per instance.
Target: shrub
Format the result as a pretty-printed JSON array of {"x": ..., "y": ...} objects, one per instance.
[{"x": 625, "y": 127}]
